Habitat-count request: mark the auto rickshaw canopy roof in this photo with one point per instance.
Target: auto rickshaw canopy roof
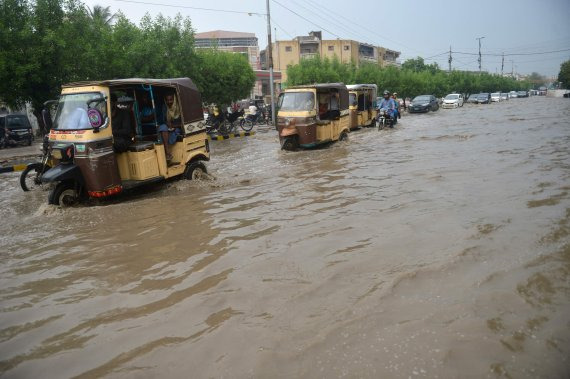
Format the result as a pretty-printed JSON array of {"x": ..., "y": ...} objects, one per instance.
[
  {"x": 189, "y": 95},
  {"x": 340, "y": 87}
]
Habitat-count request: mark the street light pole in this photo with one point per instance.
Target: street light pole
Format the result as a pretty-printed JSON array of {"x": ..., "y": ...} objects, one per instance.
[
  {"x": 270, "y": 61},
  {"x": 480, "y": 38}
]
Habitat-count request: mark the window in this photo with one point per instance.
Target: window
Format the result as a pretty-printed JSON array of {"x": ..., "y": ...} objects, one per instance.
[
  {"x": 346, "y": 47},
  {"x": 288, "y": 49},
  {"x": 331, "y": 48}
]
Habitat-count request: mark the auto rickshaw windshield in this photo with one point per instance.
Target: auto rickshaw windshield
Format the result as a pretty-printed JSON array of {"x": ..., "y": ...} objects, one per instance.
[
  {"x": 297, "y": 101},
  {"x": 73, "y": 111}
]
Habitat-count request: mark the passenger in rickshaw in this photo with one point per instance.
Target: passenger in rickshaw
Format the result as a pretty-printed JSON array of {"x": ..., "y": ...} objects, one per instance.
[
  {"x": 170, "y": 130},
  {"x": 121, "y": 118}
]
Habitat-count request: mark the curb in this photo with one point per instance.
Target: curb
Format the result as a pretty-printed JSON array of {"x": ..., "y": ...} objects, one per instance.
[
  {"x": 17, "y": 167},
  {"x": 231, "y": 135}
]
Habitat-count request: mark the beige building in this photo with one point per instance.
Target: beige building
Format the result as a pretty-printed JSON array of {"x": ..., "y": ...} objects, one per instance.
[{"x": 287, "y": 53}]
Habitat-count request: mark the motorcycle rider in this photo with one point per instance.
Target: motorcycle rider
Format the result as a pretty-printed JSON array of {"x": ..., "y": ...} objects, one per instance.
[
  {"x": 397, "y": 104},
  {"x": 388, "y": 105}
]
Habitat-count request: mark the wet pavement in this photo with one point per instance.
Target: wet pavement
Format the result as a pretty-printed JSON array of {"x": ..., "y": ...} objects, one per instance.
[{"x": 440, "y": 248}]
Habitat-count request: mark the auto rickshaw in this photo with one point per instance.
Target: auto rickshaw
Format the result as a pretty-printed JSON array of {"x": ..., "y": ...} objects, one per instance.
[
  {"x": 312, "y": 115},
  {"x": 110, "y": 136},
  {"x": 362, "y": 101}
]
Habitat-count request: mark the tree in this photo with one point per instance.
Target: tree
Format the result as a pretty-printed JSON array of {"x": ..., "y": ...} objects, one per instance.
[
  {"x": 100, "y": 14},
  {"x": 223, "y": 77},
  {"x": 564, "y": 74},
  {"x": 414, "y": 64}
]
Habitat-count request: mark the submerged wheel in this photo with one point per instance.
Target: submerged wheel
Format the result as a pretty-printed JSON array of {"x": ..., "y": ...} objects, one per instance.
[
  {"x": 30, "y": 178},
  {"x": 290, "y": 144},
  {"x": 246, "y": 125},
  {"x": 343, "y": 136},
  {"x": 195, "y": 171},
  {"x": 64, "y": 194}
]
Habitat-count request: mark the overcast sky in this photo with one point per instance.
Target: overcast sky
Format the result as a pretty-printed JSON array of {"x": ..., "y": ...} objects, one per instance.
[{"x": 414, "y": 27}]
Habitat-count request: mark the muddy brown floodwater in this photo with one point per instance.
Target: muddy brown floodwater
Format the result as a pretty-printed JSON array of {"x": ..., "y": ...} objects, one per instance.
[{"x": 439, "y": 249}]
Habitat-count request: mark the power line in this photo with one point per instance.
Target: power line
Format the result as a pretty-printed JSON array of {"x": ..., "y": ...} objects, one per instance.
[
  {"x": 304, "y": 18},
  {"x": 189, "y": 7},
  {"x": 515, "y": 54},
  {"x": 369, "y": 30},
  {"x": 280, "y": 27}
]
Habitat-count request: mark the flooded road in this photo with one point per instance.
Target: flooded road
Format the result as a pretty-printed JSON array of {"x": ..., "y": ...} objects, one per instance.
[{"x": 438, "y": 249}]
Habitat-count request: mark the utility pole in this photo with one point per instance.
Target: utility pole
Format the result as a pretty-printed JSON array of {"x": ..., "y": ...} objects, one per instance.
[
  {"x": 512, "y": 69},
  {"x": 502, "y": 63},
  {"x": 480, "y": 38},
  {"x": 270, "y": 61},
  {"x": 450, "y": 59}
]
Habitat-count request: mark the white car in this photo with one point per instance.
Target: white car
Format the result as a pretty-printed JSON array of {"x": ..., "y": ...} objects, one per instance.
[
  {"x": 496, "y": 97},
  {"x": 453, "y": 100},
  {"x": 504, "y": 96},
  {"x": 513, "y": 94}
]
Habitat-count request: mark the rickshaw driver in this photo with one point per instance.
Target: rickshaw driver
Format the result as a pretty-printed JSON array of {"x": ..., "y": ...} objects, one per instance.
[
  {"x": 121, "y": 119},
  {"x": 170, "y": 130}
]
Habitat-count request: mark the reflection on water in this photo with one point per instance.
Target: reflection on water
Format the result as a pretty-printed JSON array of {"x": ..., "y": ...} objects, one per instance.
[{"x": 438, "y": 248}]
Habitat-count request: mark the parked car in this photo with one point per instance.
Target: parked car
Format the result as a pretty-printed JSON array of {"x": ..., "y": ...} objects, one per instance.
[
  {"x": 15, "y": 129},
  {"x": 522, "y": 94},
  {"x": 513, "y": 94},
  {"x": 484, "y": 98},
  {"x": 496, "y": 97},
  {"x": 424, "y": 103},
  {"x": 453, "y": 100},
  {"x": 504, "y": 96},
  {"x": 472, "y": 98}
]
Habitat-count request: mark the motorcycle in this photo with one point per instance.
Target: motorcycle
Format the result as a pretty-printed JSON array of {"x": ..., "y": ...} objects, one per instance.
[
  {"x": 257, "y": 119},
  {"x": 31, "y": 177},
  {"x": 384, "y": 119}
]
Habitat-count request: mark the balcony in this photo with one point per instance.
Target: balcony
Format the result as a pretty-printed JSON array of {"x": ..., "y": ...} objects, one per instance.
[{"x": 308, "y": 55}]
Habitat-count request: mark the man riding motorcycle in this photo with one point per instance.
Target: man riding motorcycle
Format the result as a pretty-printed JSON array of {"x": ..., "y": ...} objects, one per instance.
[{"x": 389, "y": 106}]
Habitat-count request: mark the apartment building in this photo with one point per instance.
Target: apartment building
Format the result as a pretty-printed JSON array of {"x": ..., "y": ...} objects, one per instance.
[{"x": 287, "y": 53}]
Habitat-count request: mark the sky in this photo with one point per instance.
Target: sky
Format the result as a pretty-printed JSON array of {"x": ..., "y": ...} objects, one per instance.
[{"x": 538, "y": 29}]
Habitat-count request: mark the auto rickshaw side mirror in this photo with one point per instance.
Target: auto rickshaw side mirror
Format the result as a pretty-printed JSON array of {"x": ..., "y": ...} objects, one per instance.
[{"x": 46, "y": 117}]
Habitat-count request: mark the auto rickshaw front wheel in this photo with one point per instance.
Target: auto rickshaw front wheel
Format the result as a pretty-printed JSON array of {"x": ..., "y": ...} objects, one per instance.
[
  {"x": 290, "y": 143},
  {"x": 64, "y": 194},
  {"x": 195, "y": 171}
]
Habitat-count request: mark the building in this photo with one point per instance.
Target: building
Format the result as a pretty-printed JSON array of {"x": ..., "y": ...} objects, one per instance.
[{"x": 291, "y": 52}]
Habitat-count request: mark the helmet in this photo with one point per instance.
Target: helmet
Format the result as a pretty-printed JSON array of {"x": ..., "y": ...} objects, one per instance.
[{"x": 386, "y": 92}]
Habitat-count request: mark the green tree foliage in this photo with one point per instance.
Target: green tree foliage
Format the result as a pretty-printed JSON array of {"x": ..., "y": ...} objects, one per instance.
[
  {"x": 414, "y": 78},
  {"x": 223, "y": 77},
  {"x": 46, "y": 43},
  {"x": 564, "y": 74}
]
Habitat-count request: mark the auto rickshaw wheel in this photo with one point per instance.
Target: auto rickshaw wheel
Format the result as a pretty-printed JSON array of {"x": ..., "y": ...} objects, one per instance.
[
  {"x": 290, "y": 143},
  {"x": 343, "y": 136},
  {"x": 64, "y": 194},
  {"x": 195, "y": 171}
]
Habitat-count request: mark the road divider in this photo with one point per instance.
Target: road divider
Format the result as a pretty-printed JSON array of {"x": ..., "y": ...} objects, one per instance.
[
  {"x": 16, "y": 167},
  {"x": 231, "y": 135}
]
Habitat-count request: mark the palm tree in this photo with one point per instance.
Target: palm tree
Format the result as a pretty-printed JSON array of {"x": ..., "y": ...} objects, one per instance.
[{"x": 101, "y": 14}]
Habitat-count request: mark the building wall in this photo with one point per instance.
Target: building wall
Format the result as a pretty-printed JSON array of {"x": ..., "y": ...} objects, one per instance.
[{"x": 287, "y": 53}]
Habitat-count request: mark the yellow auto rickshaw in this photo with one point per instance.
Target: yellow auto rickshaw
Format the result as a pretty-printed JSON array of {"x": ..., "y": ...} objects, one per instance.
[
  {"x": 113, "y": 135},
  {"x": 362, "y": 101},
  {"x": 312, "y": 115}
]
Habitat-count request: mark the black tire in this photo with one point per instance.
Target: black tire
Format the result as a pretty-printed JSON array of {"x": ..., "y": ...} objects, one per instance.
[
  {"x": 223, "y": 128},
  {"x": 30, "y": 177},
  {"x": 246, "y": 125},
  {"x": 30, "y": 141},
  {"x": 343, "y": 136},
  {"x": 64, "y": 194},
  {"x": 290, "y": 144},
  {"x": 195, "y": 170}
]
